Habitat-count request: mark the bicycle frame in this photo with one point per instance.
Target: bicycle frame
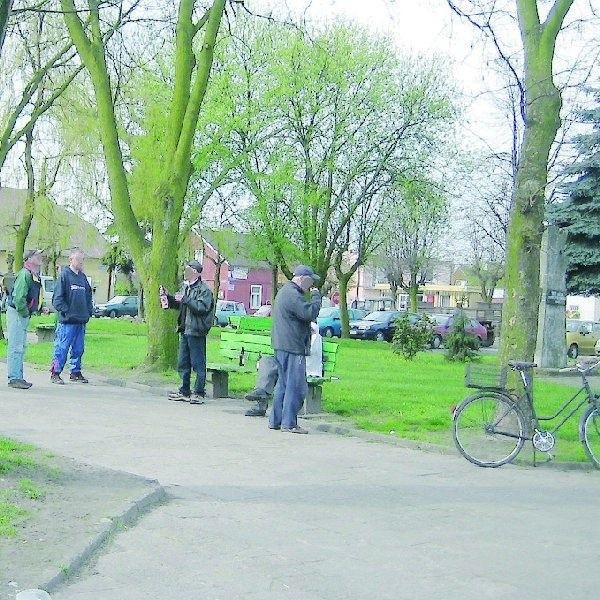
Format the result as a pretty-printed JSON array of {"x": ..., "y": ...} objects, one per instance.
[{"x": 585, "y": 388}]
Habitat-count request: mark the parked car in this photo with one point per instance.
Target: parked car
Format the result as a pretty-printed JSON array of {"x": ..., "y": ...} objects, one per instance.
[
  {"x": 329, "y": 320},
  {"x": 581, "y": 337},
  {"x": 443, "y": 327},
  {"x": 117, "y": 307},
  {"x": 226, "y": 309},
  {"x": 379, "y": 325},
  {"x": 47, "y": 293},
  {"x": 597, "y": 348}
]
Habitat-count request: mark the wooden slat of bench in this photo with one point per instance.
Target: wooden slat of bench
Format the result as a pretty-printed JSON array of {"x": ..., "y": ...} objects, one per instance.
[
  {"x": 229, "y": 368},
  {"x": 246, "y": 336},
  {"x": 255, "y": 323},
  {"x": 248, "y": 356}
]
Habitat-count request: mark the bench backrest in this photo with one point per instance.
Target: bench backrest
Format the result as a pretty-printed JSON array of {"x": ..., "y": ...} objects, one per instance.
[
  {"x": 245, "y": 347},
  {"x": 255, "y": 323}
]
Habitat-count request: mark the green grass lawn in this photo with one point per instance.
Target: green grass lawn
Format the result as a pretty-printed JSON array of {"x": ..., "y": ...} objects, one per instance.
[
  {"x": 377, "y": 390},
  {"x": 14, "y": 457}
]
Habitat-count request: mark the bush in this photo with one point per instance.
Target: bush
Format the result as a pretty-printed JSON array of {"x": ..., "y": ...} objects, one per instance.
[
  {"x": 410, "y": 338},
  {"x": 460, "y": 345},
  {"x": 124, "y": 289}
]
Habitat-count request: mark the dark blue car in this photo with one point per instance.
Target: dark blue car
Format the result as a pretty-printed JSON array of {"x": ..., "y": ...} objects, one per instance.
[
  {"x": 329, "y": 321},
  {"x": 379, "y": 325}
]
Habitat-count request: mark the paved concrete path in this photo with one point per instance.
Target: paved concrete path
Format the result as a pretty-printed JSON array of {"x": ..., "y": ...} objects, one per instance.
[{"x": 258, "y": 514}]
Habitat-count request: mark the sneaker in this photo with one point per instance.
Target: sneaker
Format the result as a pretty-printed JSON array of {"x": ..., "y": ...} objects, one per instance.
[
  {"x": 19, "y": 384},
  {"x": 178, "y": 397},
  {"x": 78, "y": 377},
  {"x": 197, "y": 399},
  {"x": 275, "y": 427},
  {"x": 56, "y": 378},
  {"x": 296, "y": 429}
]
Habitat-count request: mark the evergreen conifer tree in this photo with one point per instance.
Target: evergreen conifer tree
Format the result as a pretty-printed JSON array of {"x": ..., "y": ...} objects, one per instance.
[{"x": 579, "y": 214}]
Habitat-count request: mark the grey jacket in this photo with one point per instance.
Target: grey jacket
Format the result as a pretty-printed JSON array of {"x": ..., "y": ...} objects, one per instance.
[{"x": 292, "y": 315}]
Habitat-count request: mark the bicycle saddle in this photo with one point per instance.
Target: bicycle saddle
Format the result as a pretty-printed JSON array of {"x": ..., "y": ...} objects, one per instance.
[{"x": 520, "y": 365}]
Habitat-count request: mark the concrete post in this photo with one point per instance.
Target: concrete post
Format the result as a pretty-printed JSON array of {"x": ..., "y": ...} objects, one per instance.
[{"x": 551, "y": 350}]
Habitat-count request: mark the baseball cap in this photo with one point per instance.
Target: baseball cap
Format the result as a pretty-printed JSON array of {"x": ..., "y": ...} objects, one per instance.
[
  {"x": 31, "y": 253},
  {"x": 195, "y": 265},
  {"x": 305, "y": 271}
]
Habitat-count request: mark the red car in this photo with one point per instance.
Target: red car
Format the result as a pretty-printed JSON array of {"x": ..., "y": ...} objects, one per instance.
[{"x": 443, "y": 327}]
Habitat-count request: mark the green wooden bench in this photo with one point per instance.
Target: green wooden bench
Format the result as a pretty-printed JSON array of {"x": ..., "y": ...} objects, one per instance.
[
  {"x": 250, "y": 323},
  {"x": 244, "y": 348}
]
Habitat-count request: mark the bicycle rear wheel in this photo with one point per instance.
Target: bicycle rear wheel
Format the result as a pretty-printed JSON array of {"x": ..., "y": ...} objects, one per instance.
[
  {"x": 489, "y": 429},
  {"x": 590, "y": 434}
]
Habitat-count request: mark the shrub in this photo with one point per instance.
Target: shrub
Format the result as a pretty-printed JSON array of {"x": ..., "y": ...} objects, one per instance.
[
  {"x": 460, "y": 345},
  {"x": 410, "y": 338}
]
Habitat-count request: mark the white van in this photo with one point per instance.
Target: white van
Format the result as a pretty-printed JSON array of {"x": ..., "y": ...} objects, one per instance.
[{"x": 47, "y": 291}]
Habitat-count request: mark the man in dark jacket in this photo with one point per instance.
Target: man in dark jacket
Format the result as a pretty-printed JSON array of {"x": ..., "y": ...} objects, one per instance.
[
  {"x": 193, "y": 323},
  {"x": 23, "y": 300},
  {"x": 72, "y": 300},
  {"x": 290, "y": 338}
]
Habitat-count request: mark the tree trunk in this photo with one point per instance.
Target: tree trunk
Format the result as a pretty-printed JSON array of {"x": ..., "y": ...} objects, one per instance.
[
  {"x": 274, "y": 282},
  {"x": 343, "y": 280},
  {"x": 542, "y": 121},
  {"x": 156, "y": 261},
  {"x": 413, "y": 292},
  {"x": 29, "y": 206},
  {"x": 110, "y": 276},
  {"x": 5, "y": 8}
]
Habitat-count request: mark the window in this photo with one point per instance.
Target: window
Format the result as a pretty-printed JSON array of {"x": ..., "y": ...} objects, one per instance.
[{"x": 255, "y": 296}]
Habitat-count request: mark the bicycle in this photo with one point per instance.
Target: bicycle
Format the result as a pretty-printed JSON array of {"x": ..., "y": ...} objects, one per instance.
[{"x": 489, "y": 427}]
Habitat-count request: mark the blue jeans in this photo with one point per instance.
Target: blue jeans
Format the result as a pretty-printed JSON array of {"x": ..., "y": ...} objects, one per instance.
[
  {"x": 16, "y": 329},
  {"x": 290, "y": 391},
  {"x": 70, "y": 338},
  {"x": 192, "y": 356}
]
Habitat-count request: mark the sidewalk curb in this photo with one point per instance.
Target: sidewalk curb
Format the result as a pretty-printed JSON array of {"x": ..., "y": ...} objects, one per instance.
[
  {"x": 128, "y": 517},
  {"x": 524, "y": 460}
]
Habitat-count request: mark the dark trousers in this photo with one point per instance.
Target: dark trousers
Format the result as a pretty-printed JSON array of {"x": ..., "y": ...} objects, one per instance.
[
  {"x": 290, "y": 391},
  {"x": 192, "y": 357}
]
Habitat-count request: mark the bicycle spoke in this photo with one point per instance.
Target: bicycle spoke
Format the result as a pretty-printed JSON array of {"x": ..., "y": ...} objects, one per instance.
[
  {"x": 591, "y": 434},
  {"x": 488, "y": 430}
]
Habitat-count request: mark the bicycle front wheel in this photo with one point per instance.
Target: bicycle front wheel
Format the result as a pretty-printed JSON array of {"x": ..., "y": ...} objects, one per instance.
[
  {"x": 590, "y": 434},
  {"x": 489, "y": 429}
]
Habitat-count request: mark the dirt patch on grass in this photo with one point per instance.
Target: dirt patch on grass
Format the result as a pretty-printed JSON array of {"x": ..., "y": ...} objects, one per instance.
[{"x": 69, "y": 506}]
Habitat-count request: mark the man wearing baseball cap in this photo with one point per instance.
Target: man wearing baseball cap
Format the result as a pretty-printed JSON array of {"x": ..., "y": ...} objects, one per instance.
[
  {"x": 193, "y": 323},
  {"x": 290, "y": 338},
  {"x": 23, "y": 300}
]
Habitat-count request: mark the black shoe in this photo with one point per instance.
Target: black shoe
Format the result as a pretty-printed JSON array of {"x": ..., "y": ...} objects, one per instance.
[
  {"x": 256, "y": 395},
  {"x": 19, "y": 384},
  {"x": 259, "y": 410},
  {"x": 178, "y": 397},
  {"x": 197, "y": 399},
  {"x": 78, "y": 377},
  {"x": 56, "y": 378}
]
